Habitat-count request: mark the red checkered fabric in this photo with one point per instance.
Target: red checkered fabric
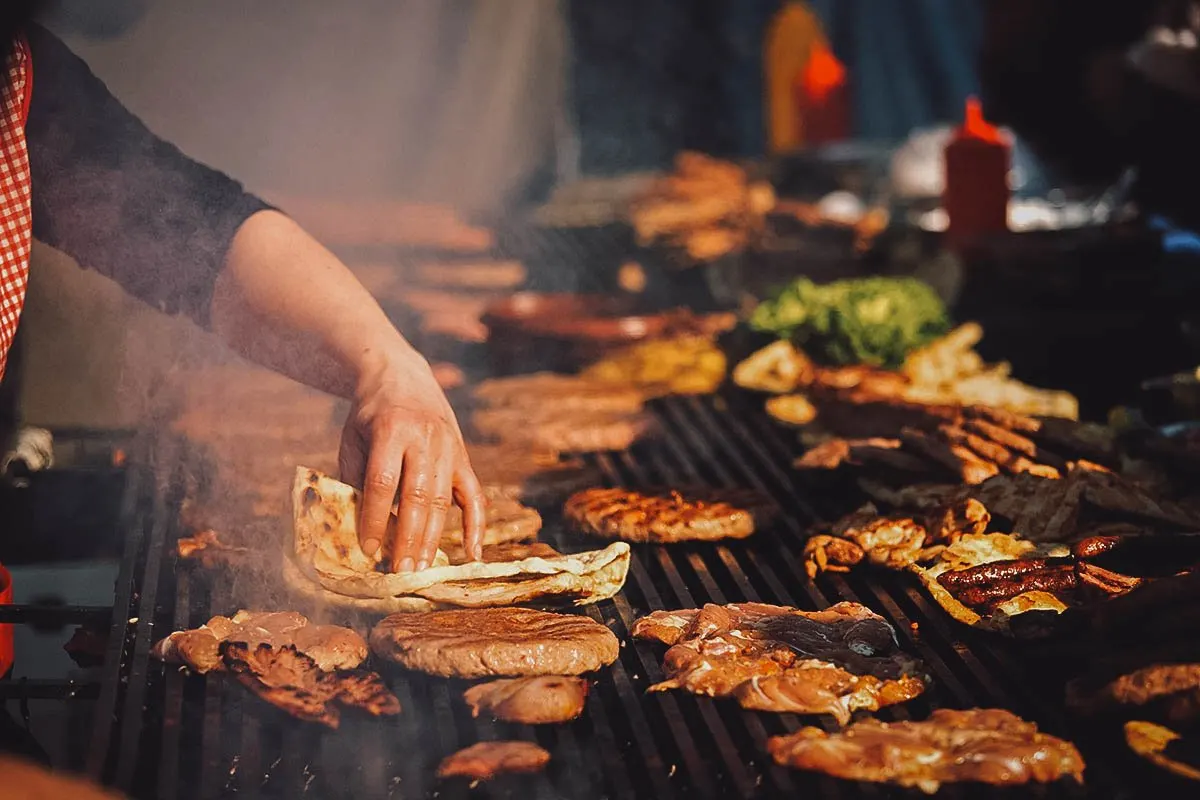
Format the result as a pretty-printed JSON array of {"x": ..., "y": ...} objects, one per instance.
[{"x": 16, "y": 220}]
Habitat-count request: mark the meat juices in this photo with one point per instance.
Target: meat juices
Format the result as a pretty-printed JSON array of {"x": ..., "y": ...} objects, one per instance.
[
  {"x": 773, "y": 658},
  {"x": 530, "y": 701},
  {"x": 982, "y": 745},
  {"x": 667, "y": 516},
  {"x": 486, "y": 760}
]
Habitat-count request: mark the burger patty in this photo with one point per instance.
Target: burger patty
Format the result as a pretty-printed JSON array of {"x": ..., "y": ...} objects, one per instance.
[
  {"x": 533, "y": 474},
  {"x": 667, "y": 516},
  {"x": 489, "y": 642},
  {"x": 530, "y": 701},
  {"x": 506, "y": 519},
  {"x": 562, "y": 429}
]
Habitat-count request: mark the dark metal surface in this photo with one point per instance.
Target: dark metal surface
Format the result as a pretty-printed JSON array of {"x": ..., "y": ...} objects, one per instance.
[{"x": 178, "y": 737}]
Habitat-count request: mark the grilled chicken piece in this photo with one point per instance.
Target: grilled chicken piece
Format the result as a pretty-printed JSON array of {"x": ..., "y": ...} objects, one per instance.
[
  {"x": 780, "y": 659},
  {"x": 830, "y": 554},
  {"x": 703, "y": 515},
  {"x": 979, "y": 745},
  {"x": 486, "y": 760},
  {"x": 825, "y": 689},
  {"x": 530, "y": 701},
  {"x": 563, "y": 429},
  {"x": 330, "y": 646}
]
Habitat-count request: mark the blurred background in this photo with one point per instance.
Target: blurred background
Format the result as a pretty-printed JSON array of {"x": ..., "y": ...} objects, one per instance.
[{"x": 543, "y": 120}]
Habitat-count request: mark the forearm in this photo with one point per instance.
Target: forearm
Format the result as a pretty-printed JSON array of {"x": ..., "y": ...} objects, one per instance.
[{"x": 286, "y": 302}]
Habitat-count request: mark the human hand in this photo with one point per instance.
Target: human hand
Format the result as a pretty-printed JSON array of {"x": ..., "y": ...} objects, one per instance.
[{"x": 401, "y": 434}]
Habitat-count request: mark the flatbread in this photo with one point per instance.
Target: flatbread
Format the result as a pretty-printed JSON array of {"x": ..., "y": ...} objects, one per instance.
[{"x": 327, "y": 553}]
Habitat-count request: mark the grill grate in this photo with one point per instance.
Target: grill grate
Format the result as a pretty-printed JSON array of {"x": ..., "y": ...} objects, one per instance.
[{"x": 176, "y": 737}]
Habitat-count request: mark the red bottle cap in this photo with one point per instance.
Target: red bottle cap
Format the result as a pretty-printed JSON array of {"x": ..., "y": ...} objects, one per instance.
[
  {"x": 822, "y": 74},
  {"x": 976, "y": 127}
]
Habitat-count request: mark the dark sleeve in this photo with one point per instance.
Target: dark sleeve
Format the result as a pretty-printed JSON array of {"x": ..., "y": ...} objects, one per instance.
[{"x": 117, "y": 198}]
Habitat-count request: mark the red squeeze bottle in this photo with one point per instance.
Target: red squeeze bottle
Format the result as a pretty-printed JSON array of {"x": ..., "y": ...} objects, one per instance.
[
  {"x": 976, "y": 192},
  {"x": 822, "y": 100}
]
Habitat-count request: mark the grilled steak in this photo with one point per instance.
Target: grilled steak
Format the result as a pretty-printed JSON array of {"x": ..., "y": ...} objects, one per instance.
[
  {"x": 487, "y": 642},
  {"x": 330, "y": 646},
  {"x": 564, "y": 392},
  {"x": 486, "y": 760},
  {"x": 774, "y": 658},
  {"x": 667, "y": 516},
  {"x": 981, "y": 745},
  {"x": 530, "y": 701},
  {"x": 292, "y": 681}
]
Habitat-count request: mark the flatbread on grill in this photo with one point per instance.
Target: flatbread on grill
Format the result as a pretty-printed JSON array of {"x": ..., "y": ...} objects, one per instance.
[{"x": 327, "y": 553}]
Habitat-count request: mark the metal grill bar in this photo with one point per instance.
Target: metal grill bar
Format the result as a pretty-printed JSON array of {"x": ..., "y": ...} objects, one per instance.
[{"x": 183, "y": 737}]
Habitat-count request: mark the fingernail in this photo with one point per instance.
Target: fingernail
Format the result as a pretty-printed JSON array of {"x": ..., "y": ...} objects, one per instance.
[
  {"x": 371, "y": 546},
  {"x": 406, "y": 565},
  {"x": 422, "y": 564}
]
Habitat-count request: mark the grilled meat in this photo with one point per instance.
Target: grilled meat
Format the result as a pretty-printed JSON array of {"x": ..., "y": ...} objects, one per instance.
[
  {"x": 979, "y": 745},
  {"x": 562, "y": 429},
  {"x": 530, "y": 701},
  {"x": 293, "y": 682},
  {"x": 506, "y": 519},
  {"x": 207, "y": 549},
  {"x": 563, "y": 392},
  {"x": 489, "y": 642},
  {"x": 666, "y": 516},
  {"x": 330, "y": 646},
  {"x": 533, "y": 474},
  {"x": 486, "y": 760},
  {"x": 1168, "y": 692},
  {"x": 774, "y": 658},
  {"x": 893, "y": 542}
]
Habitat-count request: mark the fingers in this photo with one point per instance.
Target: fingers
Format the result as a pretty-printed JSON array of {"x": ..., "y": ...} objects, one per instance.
[
  {"x": 416, "y": 486},
  {"x": 439, "y": 505},
  {"x": 470, "y": 498},
  {"x": 380, "y": 481}
]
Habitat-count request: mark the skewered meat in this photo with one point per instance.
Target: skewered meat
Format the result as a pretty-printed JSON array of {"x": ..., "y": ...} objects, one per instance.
[
  {"x": 330, "y": 646},
  {"x": 293, "y": 682},
  {"x": 530, "y": 701},
  {"x": 486, "y": 760},
  {"x": 667, "y": 516},
  {"x": 494, "y": 642},
  {"x": 774, "y": 658},
  {"x": 981, "y": 745}
]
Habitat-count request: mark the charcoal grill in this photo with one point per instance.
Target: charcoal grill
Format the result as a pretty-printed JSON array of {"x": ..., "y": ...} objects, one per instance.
[{"x": 171, "y": 736}]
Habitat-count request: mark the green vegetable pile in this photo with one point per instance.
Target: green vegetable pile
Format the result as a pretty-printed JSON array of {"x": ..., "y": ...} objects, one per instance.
[{"x": 875, "y": 321}]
